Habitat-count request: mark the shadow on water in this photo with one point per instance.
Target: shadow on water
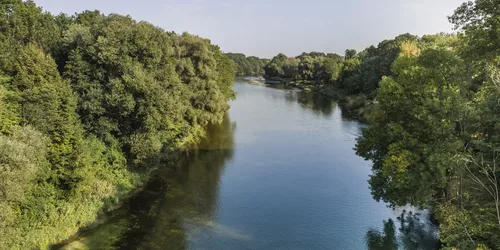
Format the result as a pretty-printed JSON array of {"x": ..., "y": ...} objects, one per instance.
[
  {"x": 415, "y": 232},
  {"x": 178, "y": 199},
  {"x": 318, "y": 103}
]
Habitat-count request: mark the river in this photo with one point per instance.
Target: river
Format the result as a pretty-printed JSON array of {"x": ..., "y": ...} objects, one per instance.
[{"x": 279, "y": 173}]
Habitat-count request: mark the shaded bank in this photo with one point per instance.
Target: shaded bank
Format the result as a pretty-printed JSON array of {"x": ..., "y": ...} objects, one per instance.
[{"x": 177, "y": 192}]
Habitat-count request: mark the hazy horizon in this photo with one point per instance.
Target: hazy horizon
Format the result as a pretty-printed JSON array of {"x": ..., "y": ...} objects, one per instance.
[{"x": 264, "y": 29}]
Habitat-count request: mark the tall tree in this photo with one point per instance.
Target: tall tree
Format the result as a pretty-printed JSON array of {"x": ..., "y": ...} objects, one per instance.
[{"x": 412, "y": 137}]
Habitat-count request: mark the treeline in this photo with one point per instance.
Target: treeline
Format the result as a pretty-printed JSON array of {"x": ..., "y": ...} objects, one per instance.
[
  {"x": 433, "y": 108},
  {"x": 87, "y": 102},
  {"x": 353, "y": 77},
  {"x": 248, "y": 66},
  {"x": 314, "y": 67}
]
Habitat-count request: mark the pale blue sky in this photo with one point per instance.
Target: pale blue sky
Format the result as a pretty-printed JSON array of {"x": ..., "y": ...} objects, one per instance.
[{"x": 267, "y": 27}]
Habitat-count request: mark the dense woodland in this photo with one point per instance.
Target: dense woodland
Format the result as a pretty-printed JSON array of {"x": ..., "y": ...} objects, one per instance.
[
  {"x": 433, "y": 108},
  {"x": 248, "y": 66},
  {"x": 87, "y": 103}
]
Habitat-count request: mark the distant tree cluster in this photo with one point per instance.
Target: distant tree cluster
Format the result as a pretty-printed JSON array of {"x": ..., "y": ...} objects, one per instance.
[
  {"x": 312, "y": 66},
  {"x": 85, "y": 101},
  {"x": 355, "y": 72},
  {"x": 248, "y": 66}
]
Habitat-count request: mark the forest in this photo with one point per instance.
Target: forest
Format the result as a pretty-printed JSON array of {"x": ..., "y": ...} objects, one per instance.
[
  {"x": 88, "y": 104},
  {"x": 432, "y": 105},
  {"x": 248, "y": 66}
]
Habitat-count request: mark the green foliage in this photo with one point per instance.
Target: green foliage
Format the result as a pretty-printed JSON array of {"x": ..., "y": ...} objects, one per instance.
[
  {"x": 23, "y": 22},
  {"x": 275, "y": 67},
  {"x": 188, "y": 82},
  {"x": 84, "y": 101},
  {"x": 350, "y": 53},
  {"x": 290, "y": 68},
  {"x": 480, "y": 22},
  {"x": 412, "y": 136},
  {"x": 472, "y": 218},
  {"x": 227, "y": 71},
  {"x": 332, "y": 68},
  {"x": 248, "y": 66},
  {"x": 433, "y": 136},
  {"x": 9, "y": 115},
  {"x": 48, "y": 103},
  {"x": 308, "y": 67},
  {"x": 22, "y": 162},
  {"x": 22, "y": 158}
]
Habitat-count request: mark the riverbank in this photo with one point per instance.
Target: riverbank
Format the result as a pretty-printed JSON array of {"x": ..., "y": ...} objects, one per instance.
[
  {"x": 151, "y": 182},
  {"x": 84, "y": 239}
]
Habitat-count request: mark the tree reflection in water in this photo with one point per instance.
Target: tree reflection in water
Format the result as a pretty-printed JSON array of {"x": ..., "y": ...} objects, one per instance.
[
  {"x": 414, "y": 233},
  {"x": 179, "y": 198}
]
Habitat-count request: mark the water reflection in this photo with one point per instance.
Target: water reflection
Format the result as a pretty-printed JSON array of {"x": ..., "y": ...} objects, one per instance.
[
  {"x": 318, "y": 103},
  {"x": 191, "y": 201},
  {"x": 415, "y": 233},
  {"x": 177, "y": 201}
]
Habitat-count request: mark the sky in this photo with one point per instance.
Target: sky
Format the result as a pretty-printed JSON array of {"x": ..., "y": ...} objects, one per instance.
[{"x": 265, "y": 28}]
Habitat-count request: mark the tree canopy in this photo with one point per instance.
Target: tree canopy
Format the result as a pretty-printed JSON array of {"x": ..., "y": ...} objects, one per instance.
[
  {"x": 248, "y": 66},
  {"x": 87, "y": 102}
]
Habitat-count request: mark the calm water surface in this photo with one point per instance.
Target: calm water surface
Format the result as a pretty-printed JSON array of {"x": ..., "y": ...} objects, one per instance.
[{"x": 279, "y": 173}]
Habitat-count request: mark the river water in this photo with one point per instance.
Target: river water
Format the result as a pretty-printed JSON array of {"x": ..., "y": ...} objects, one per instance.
[{"x": 279, "y": 173}]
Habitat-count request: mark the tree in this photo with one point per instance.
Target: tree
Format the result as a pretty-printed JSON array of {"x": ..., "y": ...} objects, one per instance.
[
  {"x": 290, "y": 68},
  {"x": 9, "y": 110},
  {"x": 22, "y": 159},
  {"x": 349, "y": 75},
  {"x": 275, "y": 67},
  {"x": 478, "y": 20},
  {"x": 472, "y": 218},
  {"x": 306, "y": 67},
  {"x": 48, "y": 103},
  {"x": 248, "y": 66},
  {"x": 85, "y": 101},
  {"x": 350, "y": 53},
  {"x": 412, "y": 137},
  {"x": 333, "y": 69}
]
